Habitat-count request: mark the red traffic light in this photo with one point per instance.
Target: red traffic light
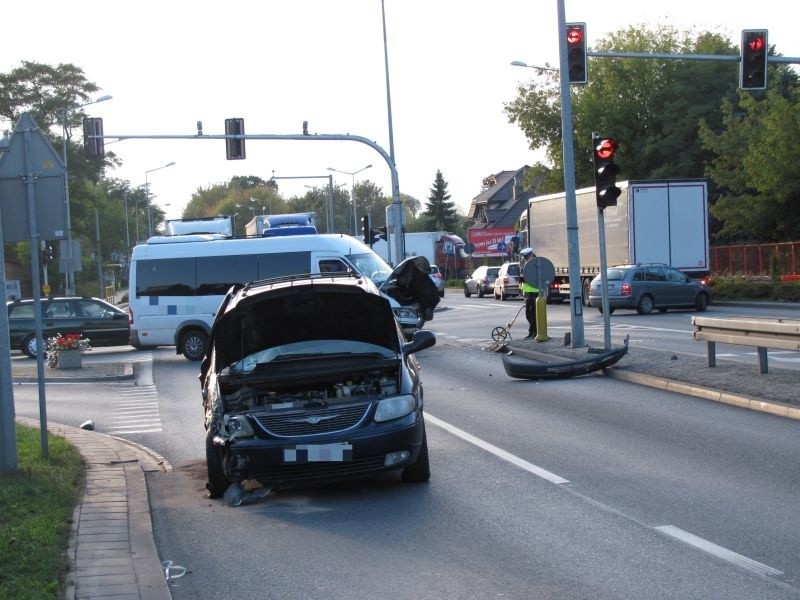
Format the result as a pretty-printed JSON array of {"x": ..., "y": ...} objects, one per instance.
[
  {"x": 574, "y": 35},
  {"x": 605, "y": 149},
  {"x": 756, "y": 43}
]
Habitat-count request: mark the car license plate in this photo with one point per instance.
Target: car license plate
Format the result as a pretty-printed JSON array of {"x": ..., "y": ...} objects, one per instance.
[{"x": 303, "y": 453}]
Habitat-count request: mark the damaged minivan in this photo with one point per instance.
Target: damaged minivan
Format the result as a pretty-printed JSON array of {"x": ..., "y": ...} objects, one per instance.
[{"x": 309, "y": 379}]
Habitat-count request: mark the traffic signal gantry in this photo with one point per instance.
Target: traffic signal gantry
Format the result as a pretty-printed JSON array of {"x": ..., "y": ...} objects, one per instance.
[
  {"x": 605, "y": 171},
  {"x": 576, "y": 52},
  {"x": 753, "y": 67}
]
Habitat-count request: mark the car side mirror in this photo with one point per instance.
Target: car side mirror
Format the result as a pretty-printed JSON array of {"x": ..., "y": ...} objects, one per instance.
[{"x": 420, "y": 340}]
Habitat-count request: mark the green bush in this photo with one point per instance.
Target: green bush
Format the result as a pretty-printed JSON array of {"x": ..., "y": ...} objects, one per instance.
[{"x": 741, "y": 288}]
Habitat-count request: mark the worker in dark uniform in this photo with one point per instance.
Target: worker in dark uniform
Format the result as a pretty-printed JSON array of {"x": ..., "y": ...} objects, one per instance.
[{"x": 530, "y": 292}]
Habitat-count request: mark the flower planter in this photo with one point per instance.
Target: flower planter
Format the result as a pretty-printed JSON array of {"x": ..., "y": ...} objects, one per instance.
[{"x": 69, "y": 359}]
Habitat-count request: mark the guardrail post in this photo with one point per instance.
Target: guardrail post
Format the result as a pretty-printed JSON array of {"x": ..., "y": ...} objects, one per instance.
[
  {"x": 712, "y": 354},
  {"x": 762, "y": 359}
]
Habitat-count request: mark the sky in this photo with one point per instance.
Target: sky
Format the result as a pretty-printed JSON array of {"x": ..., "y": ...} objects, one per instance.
[{"x": 277, "y": 63}]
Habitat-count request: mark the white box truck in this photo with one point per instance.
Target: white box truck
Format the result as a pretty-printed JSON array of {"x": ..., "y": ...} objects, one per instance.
[{"x": 659, "y": 221}]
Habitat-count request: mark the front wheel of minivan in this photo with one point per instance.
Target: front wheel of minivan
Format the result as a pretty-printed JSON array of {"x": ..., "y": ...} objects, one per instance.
[
  {"x": 217, "y": 482},
  {"x": 193, "y": 344}
]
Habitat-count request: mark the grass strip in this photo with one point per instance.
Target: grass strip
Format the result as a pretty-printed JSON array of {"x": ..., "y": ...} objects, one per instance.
[{"x": 36, "y": 506}]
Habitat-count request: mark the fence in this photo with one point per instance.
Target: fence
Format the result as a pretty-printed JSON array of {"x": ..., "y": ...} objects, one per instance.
[{"x": 756, "y": 259}]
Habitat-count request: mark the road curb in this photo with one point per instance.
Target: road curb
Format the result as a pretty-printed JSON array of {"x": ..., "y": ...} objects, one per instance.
[
  {"x": 56, "y": 376},
  {"x": 778, "y": 409}
]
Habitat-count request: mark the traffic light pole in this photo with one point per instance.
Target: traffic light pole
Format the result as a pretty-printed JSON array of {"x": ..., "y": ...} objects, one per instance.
[
  {"x": 396, "y": 206},
  {"x": 576, "y": 294}
]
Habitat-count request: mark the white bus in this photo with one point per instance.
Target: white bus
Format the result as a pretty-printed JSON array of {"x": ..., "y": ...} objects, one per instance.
[{"x": 178, "y": 282}]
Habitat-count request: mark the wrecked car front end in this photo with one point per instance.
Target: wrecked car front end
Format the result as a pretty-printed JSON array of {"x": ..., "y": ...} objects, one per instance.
[{"x": 309, "y": 380}]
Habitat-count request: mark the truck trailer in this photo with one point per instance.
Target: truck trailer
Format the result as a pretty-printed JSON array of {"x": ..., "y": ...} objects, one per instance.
[{"x": 654, "y": 221}]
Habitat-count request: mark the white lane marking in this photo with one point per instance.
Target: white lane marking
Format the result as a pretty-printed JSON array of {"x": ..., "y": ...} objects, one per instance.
[
  {"x": 499, "y": 452},
  {"x": 718, "y": 551},
  {"x": 135, "y": 410}
]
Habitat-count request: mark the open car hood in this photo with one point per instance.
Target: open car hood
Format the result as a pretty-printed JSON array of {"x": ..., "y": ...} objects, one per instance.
[
  {"x": 309, "y": 311},
  {"x": 410, "y": 282}
]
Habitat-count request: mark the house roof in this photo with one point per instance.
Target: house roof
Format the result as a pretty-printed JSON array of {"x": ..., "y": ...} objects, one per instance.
[{"x": 502, "y": 203}]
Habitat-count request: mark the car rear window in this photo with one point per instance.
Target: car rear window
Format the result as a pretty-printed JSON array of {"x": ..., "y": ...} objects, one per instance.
[
  {"x": 493, "y": 272},
  {"x": 513, "y": 270},
  {"x": 615, "y": 274}
]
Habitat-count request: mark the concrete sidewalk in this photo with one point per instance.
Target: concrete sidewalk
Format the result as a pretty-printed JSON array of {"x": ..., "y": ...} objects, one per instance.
[{"x": 112, "y": 549}]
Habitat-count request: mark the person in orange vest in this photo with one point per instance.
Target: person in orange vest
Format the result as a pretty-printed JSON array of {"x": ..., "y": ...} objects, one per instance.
[{"x": 530, "y": 292}]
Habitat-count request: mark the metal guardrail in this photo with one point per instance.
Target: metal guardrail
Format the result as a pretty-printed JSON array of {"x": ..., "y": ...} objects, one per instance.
[{"x": 762, "y": 333}]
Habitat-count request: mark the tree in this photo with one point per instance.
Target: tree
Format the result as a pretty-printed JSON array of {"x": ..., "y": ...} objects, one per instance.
[
  {"x": 442, "y": 213},
  {"x": 755, "y": 169}
]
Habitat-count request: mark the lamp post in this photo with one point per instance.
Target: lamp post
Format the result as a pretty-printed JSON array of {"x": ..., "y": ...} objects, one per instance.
[
  {"x": 69, "y": 275},
  {"x": 519, "y": 63},
  {"x": 352, "y": 192},
  {"x": 147, "y": 194}
]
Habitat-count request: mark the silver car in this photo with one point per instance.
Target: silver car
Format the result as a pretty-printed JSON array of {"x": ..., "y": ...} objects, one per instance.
[
  {"x": 645, "y": 287},
  {"x": 507, "y": 283}
]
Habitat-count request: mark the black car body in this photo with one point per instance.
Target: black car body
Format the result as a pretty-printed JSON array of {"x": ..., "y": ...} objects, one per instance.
[
  {"x": 103, "y": 324},
  {"x": 649, "y": 286},
  {"x": 309, "y": 379}
]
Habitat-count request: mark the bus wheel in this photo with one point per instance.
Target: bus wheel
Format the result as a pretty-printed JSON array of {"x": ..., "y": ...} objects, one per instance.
[{"x": 193, "y": 344}]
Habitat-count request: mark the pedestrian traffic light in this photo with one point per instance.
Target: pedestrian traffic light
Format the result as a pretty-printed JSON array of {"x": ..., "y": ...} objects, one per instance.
[
  {"x": 576, "y": 52},
  {"x": 234, "y": 148},
  {"x": 605, "y": 171},
  {"x": 366, "y": 231},
  {"x": 753, "y": 68},
  {"x": 48, "y": 253},
  {"x": 93, "y": 147}
]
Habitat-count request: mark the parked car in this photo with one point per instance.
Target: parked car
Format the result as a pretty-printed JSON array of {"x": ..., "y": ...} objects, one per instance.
[
  {"x": 650, "y": 286},
  {"x": 438, "y": 280},
  {"x": 481, "y": 281},
  {"x": 507, "y": 283},
  {"x": 103, "y": 324},
  {"x": 309, "y": 379}
]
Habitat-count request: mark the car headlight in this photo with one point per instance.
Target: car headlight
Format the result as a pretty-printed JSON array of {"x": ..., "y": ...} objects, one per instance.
[
  {"x": 236, "y": 426},
  {"x": 405, "y": 313},
  {"x": 395, "y": 407}
]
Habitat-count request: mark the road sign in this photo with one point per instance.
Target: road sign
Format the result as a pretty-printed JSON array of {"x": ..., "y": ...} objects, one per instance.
[
  {"x": 47, "y": 167},
  {"x": 540, "y": 270}
]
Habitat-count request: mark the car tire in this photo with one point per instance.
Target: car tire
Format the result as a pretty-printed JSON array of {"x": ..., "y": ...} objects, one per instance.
[
  {"x": 662, "y": 310},
  {"x": 28, "y": 346},
  {"x": 481, "y": 293},
  {"x": 217, "y": 482},
  {"x": 420, "y": 470},
  {"x": 701, "y": 302},
  {"x": 645, "y": 305},
  {"x": 193, "y": 344},
  {"x": 503, "y": 295},
  {"x": 610, "y": 310},
  {"x": 467, "y": 293},
  {"x": 441, "y": 294}
]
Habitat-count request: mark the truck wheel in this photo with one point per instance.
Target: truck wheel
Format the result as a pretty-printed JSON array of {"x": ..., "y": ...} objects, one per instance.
[
  {"x": 467, "y": 293},
  {"x": 193, "y": 344},
  {"x": 217, "y": 482},
  {"x": 645, "y": 305},
  {"x": 701, "y": 302}
]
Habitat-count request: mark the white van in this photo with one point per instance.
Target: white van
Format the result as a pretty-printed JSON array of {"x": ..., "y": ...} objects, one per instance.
[{"x": 177, "y": 282}]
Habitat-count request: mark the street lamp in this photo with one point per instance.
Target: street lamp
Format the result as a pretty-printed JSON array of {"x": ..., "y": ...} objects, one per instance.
[
  {"x": 519, "y": 63},
  {"x": 147, "y": 194},
  {"x": 69, "y": 275},
  {"x": 352, "y": 192}
]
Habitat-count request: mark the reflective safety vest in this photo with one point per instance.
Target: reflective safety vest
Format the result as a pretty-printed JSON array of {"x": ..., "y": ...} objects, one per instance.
[{"x": 527, "y": 288}]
